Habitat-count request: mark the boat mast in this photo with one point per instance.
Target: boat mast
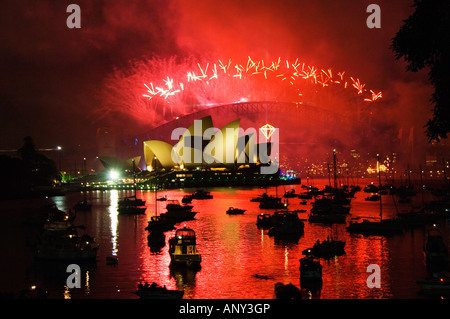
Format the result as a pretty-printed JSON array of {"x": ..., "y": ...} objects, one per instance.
[
  {"x": 85, "y": 180},
  {"x": 329, "y": 176},
  {"x": 445, "y": 170},
  {"x": 421, "y": 186},
  {"x": 134, "y": 178},
  {"x": 156, "y": 188},
  {"x": 334, "y": 168},
  {"x": 379, "y": 186}
]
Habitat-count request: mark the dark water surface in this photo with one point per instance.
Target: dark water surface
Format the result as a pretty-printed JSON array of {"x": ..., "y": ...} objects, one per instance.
[{"x": 233, "y": 250}]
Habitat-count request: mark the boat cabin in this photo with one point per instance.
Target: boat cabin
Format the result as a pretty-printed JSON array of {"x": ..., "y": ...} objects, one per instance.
[{"x": 182, "y": 248}]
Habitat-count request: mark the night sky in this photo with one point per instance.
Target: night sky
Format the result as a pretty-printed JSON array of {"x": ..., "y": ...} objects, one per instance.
[{"x": 52, "y": 77}]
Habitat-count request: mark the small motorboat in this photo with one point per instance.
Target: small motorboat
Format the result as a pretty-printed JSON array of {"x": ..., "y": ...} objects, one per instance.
[
  {"x": 290, "y": 194},
  {"x": 201, "y": 194},
  {"x": 155, "y": 291},
  {"x": 187, "y": 199},
  {"x": 327, "y": 248},
  {"x": 83, "y": 205},
  {"x": 131, "y": 210},
  {"x": 160, "y": 224},
  {"x": 310, "y": 271},
  {"x": 373, "y": 198},
  {"x": 235, "y": 211},
  {"x": 131, "y": 201},
  {"x": 385, "y": 227}
]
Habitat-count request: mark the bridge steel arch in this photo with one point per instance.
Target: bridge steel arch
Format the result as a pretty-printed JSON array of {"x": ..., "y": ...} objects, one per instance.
[{"x": 249, "y": 109}]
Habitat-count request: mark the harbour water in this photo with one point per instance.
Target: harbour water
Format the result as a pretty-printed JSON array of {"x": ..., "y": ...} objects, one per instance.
[{"x": 233, "y": 249}]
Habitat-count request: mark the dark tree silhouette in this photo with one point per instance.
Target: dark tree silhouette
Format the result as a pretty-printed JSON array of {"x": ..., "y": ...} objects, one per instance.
[
  {"x": 424, "y": 42},
  {"x": 38, "y": 169}
]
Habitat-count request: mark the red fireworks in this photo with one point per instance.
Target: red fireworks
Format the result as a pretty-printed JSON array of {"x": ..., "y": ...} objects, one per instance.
[{"x": 284, "y": 71}]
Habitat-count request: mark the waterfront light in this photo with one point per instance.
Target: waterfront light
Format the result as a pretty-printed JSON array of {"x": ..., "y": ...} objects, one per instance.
[{"x": 113, "y": 175}]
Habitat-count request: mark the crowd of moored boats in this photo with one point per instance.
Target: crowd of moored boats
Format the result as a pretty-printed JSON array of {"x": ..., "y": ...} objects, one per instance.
[{"x": 59, "y": 238}]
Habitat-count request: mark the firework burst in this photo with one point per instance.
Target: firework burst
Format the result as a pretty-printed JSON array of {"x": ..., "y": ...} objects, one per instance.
[{"x": 151, "y": 88}]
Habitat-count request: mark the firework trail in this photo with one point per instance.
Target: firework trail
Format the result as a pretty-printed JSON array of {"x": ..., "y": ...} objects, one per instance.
[{"x": 151, "y": 88}]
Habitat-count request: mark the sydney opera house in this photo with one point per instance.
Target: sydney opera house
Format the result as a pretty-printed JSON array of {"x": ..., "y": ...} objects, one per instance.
[
  {"x": 203, "y": 155},
  {"x": 203, "y": 146}
]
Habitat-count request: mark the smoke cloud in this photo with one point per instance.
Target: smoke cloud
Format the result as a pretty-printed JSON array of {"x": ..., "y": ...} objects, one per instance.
[{"x": 59, "y": 85}]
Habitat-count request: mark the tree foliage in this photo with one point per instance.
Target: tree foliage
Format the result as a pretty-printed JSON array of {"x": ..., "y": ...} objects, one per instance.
[{"x": 424, "y": 43}]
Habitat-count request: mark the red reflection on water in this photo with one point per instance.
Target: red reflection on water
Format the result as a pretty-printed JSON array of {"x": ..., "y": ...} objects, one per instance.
[{"x": 234, "y": 250}]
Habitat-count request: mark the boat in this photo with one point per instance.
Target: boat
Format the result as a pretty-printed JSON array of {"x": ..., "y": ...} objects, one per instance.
[
  {"x": 132, "y": 205},
  {"x": 177, "y": 212},
  {"x": 160, "y": 223},
  {"x": 264, "y": 220},
  {"x": 162, "y": 199},
  {"x": 66, "y": 245},
  {"x": 327, "y": 205},
  {"x": 187, "y": 199},
  {"x": 328, "y": 218},
  {"x": 154, "y": 291},
  {"x": 310, "y": 271},
  {"x": 131, "y": 201},
  {"x": 373, "y": 198},
  {"x": 82, "y": 205},
  {"x": 174, "y": 205},
  {"x": 326, "y": 211},
  {"x": 327, "y": 248},
  {"x": 305, "y": 196},
  {"x": 183, "y": 248},
  {"x": 417, "y": 218},
  {"x": 131, "y": 210},
  {"x": 287, "y": 227},
  {"x": 271, "y": 202},
  {"x": 156, "y": 239},
  {"x": 58, "y": 220},
  {"x": 290, "y": 194},
  {"x": 267, "y": 221},
  {"x": 258, "y": 198},
  {"x": 235, "y": 211},
  {"x": 435, "y": 250},
  {"x": 383, "y": 227},
  {"x": 370, "y": 189},
  {"x": 201, "y": 194}
]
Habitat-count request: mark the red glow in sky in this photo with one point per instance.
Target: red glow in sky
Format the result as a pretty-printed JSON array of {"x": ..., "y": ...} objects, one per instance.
[{"x": 53, "y": 78}]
